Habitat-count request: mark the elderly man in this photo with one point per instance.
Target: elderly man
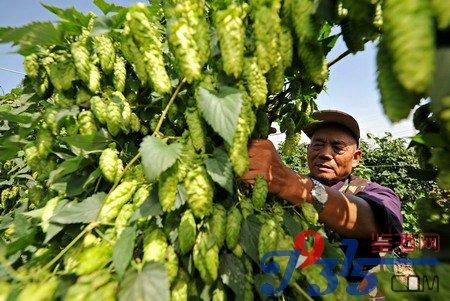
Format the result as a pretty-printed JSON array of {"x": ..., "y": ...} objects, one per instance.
[{"x": 348, "y": 206}]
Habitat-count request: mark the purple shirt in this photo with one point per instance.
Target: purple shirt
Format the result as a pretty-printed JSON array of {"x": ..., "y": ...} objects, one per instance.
[{"x": 385, "y": 205}]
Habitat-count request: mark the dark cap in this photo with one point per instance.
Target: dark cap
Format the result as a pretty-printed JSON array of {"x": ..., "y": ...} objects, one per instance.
[{"x": 333, "y": 116}]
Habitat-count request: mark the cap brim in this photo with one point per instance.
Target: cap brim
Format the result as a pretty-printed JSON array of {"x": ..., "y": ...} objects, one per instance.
[{"x": 332, "y": 116}]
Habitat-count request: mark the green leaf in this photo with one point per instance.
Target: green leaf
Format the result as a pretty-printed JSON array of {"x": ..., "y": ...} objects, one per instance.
[
  {"x": 71, "y": 15},
  {"x": 292, "y": 225},
  {"x": 123, "y": 250},
  {"x": 92, "y": 178},
  {"x": 67, "y": 167},
  {"x": 260, "y": 279},
  {"x": 249, "y": 237},
  {"x": 232, "y": 272},
  {"x": 106, "y": 7},
  {"x": 19, "y": 118},
  {"x": 221, "y": 111},
  {"x": 219, "y": 168},
  {"x": 83, "y": 212},
  {"x": 30, "y": 36},
  {"x": 102, "y": 25},
  {"x": 181, "y": 196},
  {"x": 89, "y": 143},
  {"x": 150, "y": 207},
  {"x": 147, "y": 285},
  {"x": 157, "y": 156}
]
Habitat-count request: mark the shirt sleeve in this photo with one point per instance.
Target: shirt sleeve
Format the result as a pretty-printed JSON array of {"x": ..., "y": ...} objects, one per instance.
[{"x": 386, "y": 207}]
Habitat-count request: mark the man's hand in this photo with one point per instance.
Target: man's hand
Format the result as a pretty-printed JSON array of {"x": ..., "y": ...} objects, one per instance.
[{"x": 265, "y": 161}]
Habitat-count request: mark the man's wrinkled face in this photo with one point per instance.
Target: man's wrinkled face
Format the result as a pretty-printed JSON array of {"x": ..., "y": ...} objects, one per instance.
[{"x": 332, "y": 153}]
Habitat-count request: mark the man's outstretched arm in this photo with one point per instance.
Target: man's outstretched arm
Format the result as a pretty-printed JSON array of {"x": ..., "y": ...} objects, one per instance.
[{"x": 347, "y": 214}]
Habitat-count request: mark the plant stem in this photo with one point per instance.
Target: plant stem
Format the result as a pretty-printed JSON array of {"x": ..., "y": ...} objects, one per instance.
[
  {"x": 301, "y": 291},
  {"x": 340, "y": 57},
  {"x": 70, "y": 245}
]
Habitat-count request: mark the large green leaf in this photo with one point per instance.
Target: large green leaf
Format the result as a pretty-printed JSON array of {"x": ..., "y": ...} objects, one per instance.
[
  {"x": 107, "y": 8},
  {"x": 83, "y": 212},
  {"x": 67, "y": 167},
  {"x": 219, "y": 168},
  {"x": 249, "y": 237},
  {"x": 123, "y": 250},
  {"x": 89, "y": 143},
  {"x": 30, "y": 36},
  {"x": 221, "y": 110},
  {"x": 232, "y": 272},
  {"x": 147, "y": 285},
  {"x": 157, "y": 156},
  {"x": 70, "y": 15}
]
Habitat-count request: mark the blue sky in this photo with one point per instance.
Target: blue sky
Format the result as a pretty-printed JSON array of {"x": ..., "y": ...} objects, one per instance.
[{"x": 351, "y": 86}]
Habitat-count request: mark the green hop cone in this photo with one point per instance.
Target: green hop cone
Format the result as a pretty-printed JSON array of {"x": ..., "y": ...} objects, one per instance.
[
  {"x": 41, "y": 83},
  {"x": 119, "y": 74},
  {"x": 268, "y": 237},
  {"x": 409, "y": 30},
  {"x": 155, "y": 246},
  {"x": 305, "y": 25},
  {"x": 286, "y": 47},
  {"x": 187, "y": 232},
  {"x": 42, "y": 291},
  {"x": 206, "y": 258},
  {"x": 141, "y": 194},
  {"x": 233, "y": 229},
  {"x": 171, "y": 263},
  {"x": 80, "y": 55},
  {"x": 313, "y": 59},
  {"x": 231, "y": 33},
  {"x": 94, "y": 258},
  {"x": 275, "y": 79},
  {"x": 83, "y": 96},
  {"x": 260, "y": 191},
  {"x": 256, "y": 82},
  {"x": 218, "y": 224},
  {"x": 196, "y": 129},
  {"x": 105, "y": 50},
  {"x": 441, "y": 10},
  {"x": 115, "y": 201},
  {"x": 135, "y": 123},
  {"x": 86, "y": 123},
  {"x": 285, "y": 242},
  {"x": 267, "y": 30},
  {"x": 167, "y": 192},
  {"x": 110, "y": 163},
  {"x": 397, "y": 101},
  {"x": 44, "y": 142},
  {"x": 219, "y": 294},
  {"x": 31, "y": 65},
  {"x": 114, "y": 118},
  {"x": 179, "y": 291},
  {"x": 99, "y": 108},
  {"x": 246, "y": 206},
  {"x": 133, "y": 55},
  {"x": 181, "y": 38},
  {"x": 310, "y": 213},
  {"x": 94, "y": 78},
  {"x": 290, "y": 144},
  {"x": 199, "y": 191},
  {"x": 123, "y": 217}
]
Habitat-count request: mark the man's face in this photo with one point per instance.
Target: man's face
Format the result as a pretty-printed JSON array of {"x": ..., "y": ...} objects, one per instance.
[{"x": 332, "y": 153}]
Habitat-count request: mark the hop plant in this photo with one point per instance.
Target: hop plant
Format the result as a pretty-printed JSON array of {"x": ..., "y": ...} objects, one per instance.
[
  {"x": 44, "y": 142},
  {"x": 187, "y": 232},
  {"x": 231, "y": 33},
  {"x": 31, "y": 65},
  {"x": 80, "y": 55},
  {"x": 114, "y": 117},
  {"x": 233, "y": 228},
  {"x": 120, "y": 74},
  {"x": 286, "y": 47},
  {"x": 305, "y": 24},
  {"x": 196, "y": 129},
  {"x": 134, "y": 56},
  {"x": 167, "y": 191},
  {"x": 408, "y": 26},
  {"x": 171, "y": 263},
  {"x": 115, "y": 201},
  {"x": 267, "y": 30},
  {"x": 110, "y": 164},
  {"x": 260, "y": 191},
  {"x": 314, "y": 61},
  {"x": 268, "y": 237},
  {"x": 62, "y": 71},
  {"x": 105, "y": 50},
  {"x": 199, "y": 191},
  {"x": 217, "y": 224},
  {"x": 256, "y": 82},
  {"x": 86, "y": 123},
  {"x": 206, "y": 257},
  {"x": 155, "y": 246},
  {"x": 99, "y": 109}
]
